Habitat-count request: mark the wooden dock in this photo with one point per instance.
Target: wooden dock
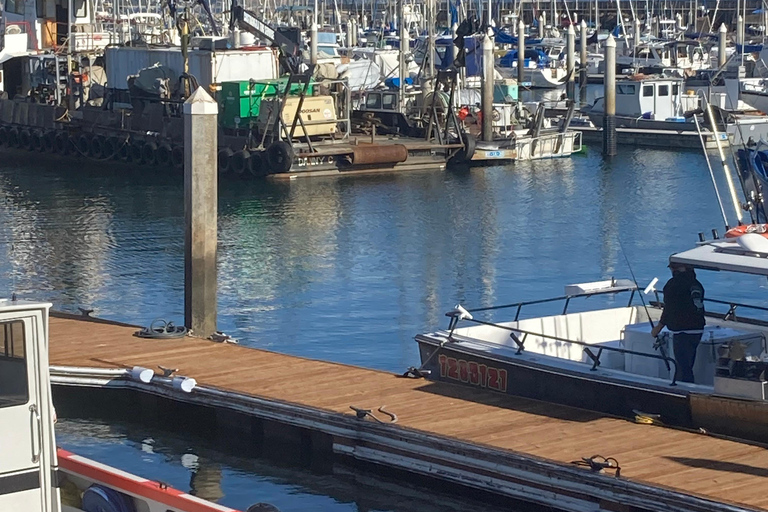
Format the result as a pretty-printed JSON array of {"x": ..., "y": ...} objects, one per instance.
[{"x": 515, "y": 447}]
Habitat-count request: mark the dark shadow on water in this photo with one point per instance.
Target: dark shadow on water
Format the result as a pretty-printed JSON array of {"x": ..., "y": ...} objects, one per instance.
[{"x": 720, "y": 465}]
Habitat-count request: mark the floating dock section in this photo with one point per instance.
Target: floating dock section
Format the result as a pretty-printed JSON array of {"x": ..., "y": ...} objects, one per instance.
[{"x": 510, "y": 447}]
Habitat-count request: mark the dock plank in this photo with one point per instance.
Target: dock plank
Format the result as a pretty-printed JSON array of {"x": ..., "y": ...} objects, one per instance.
[{"x": 693, "y": 463}]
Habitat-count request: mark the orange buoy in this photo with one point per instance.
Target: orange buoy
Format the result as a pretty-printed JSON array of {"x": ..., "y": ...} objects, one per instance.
[{"x": 758, "y": 229}]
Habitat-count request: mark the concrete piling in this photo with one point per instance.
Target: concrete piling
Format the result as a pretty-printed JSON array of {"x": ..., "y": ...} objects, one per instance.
[
  {"x": 520, "y": 52},
  {"x": 570, "y": 59},
  {"x": 740, "y": 30},
  {"x": 200, "y": 212},
  {"x": 609, "y": 116},
  {"x": 583, "y": 62},
  {"x": 313, "y": 43},
  {"x": 542, "y": 23},
  {"x": 486, "y": 104},
  {"x": 721, "y": 57},
  {"x": 636, "y": 34}
]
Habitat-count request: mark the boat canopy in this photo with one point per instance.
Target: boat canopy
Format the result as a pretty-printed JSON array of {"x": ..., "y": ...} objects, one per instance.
[{"x": 747, "y": 255}]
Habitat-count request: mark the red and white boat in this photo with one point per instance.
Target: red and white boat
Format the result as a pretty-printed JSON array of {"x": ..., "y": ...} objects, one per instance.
[{"x": 34, "y": 474}]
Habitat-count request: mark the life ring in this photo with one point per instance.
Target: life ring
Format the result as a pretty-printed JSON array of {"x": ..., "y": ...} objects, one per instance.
[
  {"x": 223, "y": 159},
  {"x": 256, "y": 164},
  {"x": 96, "y": 147},
  {"x": 149, "y": 153},
  {"x": 163, "y": 155},
  {"x": 13, "y": 137},
  {"x": 177, "y": 157},
  {"x": 3, "y": 136},
  {"x": 239, "y": 162},
  {"x": 24, "y": 138},
  {"x": 61, "y": 143},
  {"x": 758, "y": 229},
  {"x": 279, "y": 157}
]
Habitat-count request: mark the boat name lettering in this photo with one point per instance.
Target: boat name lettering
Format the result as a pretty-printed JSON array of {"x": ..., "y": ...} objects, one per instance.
[
  {"x": 472, "y": 372},
  {"x": 313, "y": 160}
]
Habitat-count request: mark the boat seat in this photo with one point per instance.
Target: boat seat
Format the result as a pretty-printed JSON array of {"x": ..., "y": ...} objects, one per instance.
[{"x": 609, "y": 358}]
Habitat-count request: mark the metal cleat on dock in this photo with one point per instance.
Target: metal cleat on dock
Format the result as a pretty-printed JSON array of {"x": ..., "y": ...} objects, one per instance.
[
  {"x": 363, "y": 413},
  {"x": 598, "y": 463}
]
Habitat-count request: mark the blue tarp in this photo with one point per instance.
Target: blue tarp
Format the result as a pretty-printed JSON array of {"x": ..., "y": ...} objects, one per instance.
[
  {"x": 750, "y": 48},
  {"x": 538, "y": 56}
]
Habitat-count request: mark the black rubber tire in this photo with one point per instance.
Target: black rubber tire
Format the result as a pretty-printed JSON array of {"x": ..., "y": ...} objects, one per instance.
[
  {"x": 223, "y": 159},
  {"x": 110, "y": 147},
  {"x": 256, "y": 164},
  {"x": 13, "y": 138},
  {"x": 96, "y": 147},
  {"x": 149, "y": 153},
  {"x": 163, "y": 155},
  {"x": 240, "y": 163},
  {"x": 46, "y": 142},
  {"x": 177, "y": 158},
  {"x": 465, "y": 154},
  {"x": 24, "y": 139},
  {"x": 61, "y": 143},
  {"x": 35, "y": 141},
  {"x": 3, "y": 136},
  {"x": 279, "y": 157},
  {"x": 84, "y": 145},
  {"x": 134, "y": 151}
]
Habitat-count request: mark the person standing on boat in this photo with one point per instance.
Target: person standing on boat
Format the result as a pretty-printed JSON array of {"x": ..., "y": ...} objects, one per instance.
[{"x": 683, "y": 315}]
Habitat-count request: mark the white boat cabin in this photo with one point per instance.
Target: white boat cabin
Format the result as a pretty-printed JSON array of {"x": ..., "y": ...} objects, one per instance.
[{"x": 654, "y": 98}]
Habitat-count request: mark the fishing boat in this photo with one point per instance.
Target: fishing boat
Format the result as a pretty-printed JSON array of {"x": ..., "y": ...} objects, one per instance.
[
  {"x": 35, "y": 475},
  {"x": 605, "y": 359}
]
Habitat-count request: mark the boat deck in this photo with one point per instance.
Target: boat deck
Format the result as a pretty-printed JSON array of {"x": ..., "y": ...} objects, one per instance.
[{"x": 689, "y": 463}]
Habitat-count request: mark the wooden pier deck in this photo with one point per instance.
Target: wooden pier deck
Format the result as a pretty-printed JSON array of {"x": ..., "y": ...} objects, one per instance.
[{"x": 687, "y": 463}]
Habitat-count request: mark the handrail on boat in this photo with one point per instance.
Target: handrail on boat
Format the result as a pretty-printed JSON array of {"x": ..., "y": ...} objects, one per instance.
[
  {"x": 566, "y": 298},
  {"x": 457, "y": 315}
]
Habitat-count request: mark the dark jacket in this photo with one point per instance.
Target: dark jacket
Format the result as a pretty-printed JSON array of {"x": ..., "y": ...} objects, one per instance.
[{"x": 683, "y": 302}]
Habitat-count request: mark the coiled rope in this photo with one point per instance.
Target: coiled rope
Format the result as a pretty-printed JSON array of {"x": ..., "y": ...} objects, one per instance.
[{"x": 160, "y": 329}]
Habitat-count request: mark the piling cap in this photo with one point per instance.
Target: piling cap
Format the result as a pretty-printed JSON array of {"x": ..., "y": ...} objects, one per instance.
[
  {"x": 610, "y": 42},
  {"x": 571, "y": 31},
  {"x": 200, "y": 102},
  {"x": 723, "y": 29},
  {"x": 583, "y": 24}
]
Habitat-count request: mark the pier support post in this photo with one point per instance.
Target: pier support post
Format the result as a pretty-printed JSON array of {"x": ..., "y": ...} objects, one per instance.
[
  {"x": 520, "y": 52},
  {"x": 636, "y": 34},
  {"x": 583, "y": 62},
  {"x": 200, "y": 212},
  {"x": 609, "y": 117},
  {"x": 570, "y": 59},
  {"x": 723, "y": 33},
  {"x": 313, "y": 43},
  {"x": 740, "y": 31},
  {"x": 486, "y": 99},
  {"x": 542, "y": 23}
]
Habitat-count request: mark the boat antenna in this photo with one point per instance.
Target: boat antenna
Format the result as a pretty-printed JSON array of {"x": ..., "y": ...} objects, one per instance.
[{"x": 639, "y": 291}]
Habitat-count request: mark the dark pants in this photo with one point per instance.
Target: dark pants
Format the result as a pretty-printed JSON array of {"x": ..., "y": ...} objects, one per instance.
[{"x": 685, "y": 346}]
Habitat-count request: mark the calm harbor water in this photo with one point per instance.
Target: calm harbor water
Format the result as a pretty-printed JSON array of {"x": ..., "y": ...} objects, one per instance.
[{"x": 343, "y": 269}]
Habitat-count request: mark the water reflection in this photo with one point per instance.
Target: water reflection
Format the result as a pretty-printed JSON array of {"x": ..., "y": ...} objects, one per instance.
[
  {"x": 243, "y": 476},
  {"x": 349, "y": 269}
]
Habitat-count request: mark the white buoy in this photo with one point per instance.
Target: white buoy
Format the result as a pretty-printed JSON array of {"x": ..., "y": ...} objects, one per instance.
[
  {"x": 185, "y": 384},
  {"x": 142, "y": 374}
]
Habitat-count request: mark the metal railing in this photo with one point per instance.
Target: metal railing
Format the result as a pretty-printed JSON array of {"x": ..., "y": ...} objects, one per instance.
[
  {"x": 464, "y": 314},
  {"x": 588, "y": 348},
  {"x": 549, "y": 145}
]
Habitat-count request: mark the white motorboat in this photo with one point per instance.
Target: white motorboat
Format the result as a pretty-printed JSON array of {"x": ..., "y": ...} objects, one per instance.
[
  {"x": 606, "y": 359},
  {"x": 34, "y": 474}
]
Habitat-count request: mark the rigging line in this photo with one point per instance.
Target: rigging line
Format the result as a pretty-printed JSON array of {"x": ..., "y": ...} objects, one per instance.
[{"x": 639, "y": 291}]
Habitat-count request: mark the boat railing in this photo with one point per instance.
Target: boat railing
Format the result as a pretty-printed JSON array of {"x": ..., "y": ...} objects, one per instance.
[
  {"x": 565, "y": 298},
  {"x": 549, "y": 145},
  {"x": 514, "y": 333}
]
